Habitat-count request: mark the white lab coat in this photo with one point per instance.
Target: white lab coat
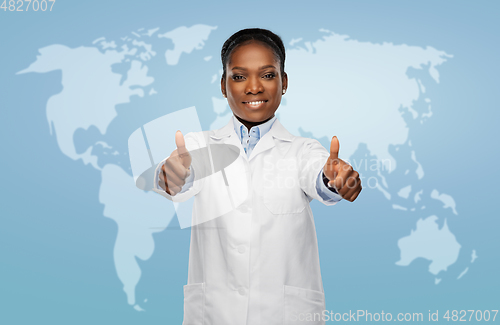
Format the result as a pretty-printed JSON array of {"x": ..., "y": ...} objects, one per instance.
[{"x": 257, "y": 263}]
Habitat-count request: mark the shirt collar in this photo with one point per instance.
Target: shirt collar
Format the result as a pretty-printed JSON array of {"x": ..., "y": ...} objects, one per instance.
[
  {"x": 261, "y": 129},
  {"x": 277, "y": 131}
]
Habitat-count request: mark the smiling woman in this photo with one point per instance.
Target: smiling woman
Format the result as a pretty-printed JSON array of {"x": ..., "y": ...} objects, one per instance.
[
  {"x": 253, "y": 79},
  {"x": 257, "y": 260}
]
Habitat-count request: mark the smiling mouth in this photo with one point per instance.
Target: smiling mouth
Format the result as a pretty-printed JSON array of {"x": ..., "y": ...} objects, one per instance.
[{"x": 255, "y": 103}]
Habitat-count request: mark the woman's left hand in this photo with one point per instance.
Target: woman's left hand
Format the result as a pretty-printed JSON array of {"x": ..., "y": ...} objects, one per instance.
[{"x": 341, "y": 175}]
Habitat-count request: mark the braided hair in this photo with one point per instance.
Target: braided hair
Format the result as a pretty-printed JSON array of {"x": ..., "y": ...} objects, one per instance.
[{"x": 248, "y": 35}]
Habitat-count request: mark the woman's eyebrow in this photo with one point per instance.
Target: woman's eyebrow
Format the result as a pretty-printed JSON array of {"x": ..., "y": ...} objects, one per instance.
[
  {"x": 261, "y": 68},
  {"x": 267, "y": 66}
]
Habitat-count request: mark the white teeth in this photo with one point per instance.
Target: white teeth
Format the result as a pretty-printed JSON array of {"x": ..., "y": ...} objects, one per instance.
[{"x": 256, "y": 103}]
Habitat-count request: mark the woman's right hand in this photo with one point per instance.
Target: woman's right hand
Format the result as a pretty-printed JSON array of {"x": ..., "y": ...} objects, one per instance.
[{"x": 175, "y": 170}]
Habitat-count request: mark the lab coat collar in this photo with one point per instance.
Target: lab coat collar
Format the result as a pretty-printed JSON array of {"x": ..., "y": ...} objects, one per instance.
[
  {"x": 277, "y": 131},
  {"x": 225, "y": 131}
]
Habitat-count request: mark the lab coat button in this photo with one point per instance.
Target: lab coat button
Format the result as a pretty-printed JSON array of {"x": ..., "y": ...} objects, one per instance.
[
  {"x": 242, "y": 291},
  {"x": 241, "y": 249},
  {"x": 244, "y": 208}
]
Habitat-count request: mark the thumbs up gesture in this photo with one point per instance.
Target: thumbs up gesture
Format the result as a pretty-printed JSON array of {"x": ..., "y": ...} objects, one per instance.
[
  {"x": 341, "y": 175},
  {"x": 175, "y": 170}
]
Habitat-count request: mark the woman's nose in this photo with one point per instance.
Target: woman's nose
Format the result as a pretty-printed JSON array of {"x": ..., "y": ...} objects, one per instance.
[{"x": 254, "y": 86}]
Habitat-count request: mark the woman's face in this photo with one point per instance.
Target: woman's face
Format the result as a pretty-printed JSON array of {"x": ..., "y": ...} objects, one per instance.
[{"x": 253, "y": 84}]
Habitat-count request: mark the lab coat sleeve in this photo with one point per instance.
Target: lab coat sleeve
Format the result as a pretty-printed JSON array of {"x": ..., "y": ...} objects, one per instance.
[
  {"x": 311, "y": 160},
  {"x": 326, "y": 193},
  {"x": 192, "y": 185}
]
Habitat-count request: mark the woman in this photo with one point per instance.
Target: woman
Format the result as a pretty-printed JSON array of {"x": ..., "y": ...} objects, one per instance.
[{"x": 257, "y": 263}]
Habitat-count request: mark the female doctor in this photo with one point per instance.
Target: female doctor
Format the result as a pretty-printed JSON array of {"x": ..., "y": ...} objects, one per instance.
[{"x": 258, "y": 262}]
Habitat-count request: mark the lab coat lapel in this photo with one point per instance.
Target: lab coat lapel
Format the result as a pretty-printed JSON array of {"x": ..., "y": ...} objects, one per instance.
[
  {"x": 265, "y": 143},
  {"x": 277, "y": 135},
  {"x": 227, "y": 135},
  {"x": 230, "y": 186}
]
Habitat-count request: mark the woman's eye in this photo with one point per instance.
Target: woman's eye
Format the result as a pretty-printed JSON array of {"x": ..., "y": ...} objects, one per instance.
[
  {"x": 237, "y": 77},
  {"x": 269, "y": 76}
]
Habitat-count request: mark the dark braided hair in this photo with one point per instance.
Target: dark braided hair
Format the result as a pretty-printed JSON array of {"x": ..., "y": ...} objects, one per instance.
[{"x": 244, "y": 36}]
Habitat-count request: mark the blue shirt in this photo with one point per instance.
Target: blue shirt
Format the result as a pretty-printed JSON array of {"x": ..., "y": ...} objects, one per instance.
[{"x": 250, "y": 138}]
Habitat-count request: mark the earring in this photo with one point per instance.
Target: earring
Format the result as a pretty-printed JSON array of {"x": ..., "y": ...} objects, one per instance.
[
  {"x": 224, "y": 95},
  {"x": 284, "y": 91}
]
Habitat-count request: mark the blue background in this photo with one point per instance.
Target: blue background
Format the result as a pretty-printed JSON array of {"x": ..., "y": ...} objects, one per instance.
[{"x": 57, "y": 248}]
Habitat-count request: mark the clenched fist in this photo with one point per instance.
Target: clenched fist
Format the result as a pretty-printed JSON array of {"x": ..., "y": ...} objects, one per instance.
[
  {"x": 341, "y": 175},
  {"x": 176, "y": 169}
]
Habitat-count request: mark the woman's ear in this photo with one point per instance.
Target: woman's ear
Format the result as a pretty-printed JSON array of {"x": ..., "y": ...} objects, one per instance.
[
  {"x": 223, "y": 87},
  {"x": 284, "y": 82}
]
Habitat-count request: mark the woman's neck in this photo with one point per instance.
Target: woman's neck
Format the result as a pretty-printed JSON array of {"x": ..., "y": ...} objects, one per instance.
[{"x": 249, "y": 124}]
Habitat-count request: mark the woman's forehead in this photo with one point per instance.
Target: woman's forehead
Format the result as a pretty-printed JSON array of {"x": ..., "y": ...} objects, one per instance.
[{"x": 253, "y": 54}]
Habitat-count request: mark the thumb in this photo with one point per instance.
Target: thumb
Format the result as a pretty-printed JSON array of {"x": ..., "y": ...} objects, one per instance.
[
  {"x": 334, "y": 148},
  {"x": 181, "y": 149},
  {"x": 179, "y": 142}
]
